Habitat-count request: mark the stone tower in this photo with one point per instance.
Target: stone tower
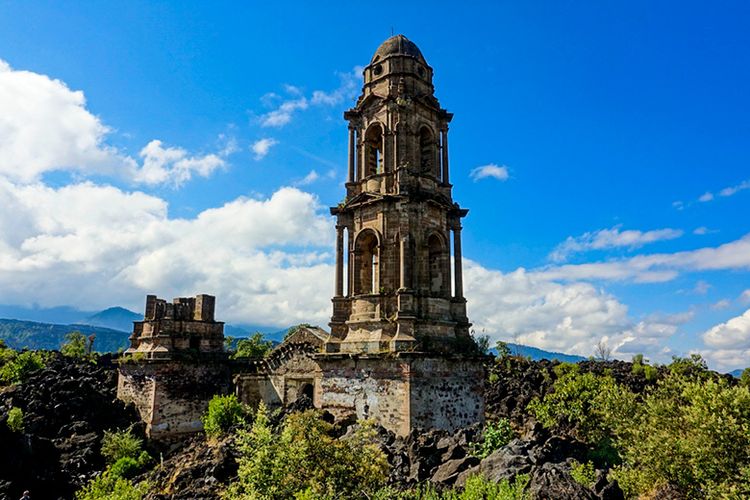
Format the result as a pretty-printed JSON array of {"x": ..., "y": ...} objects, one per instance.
[{"x": 398, "y": 219}]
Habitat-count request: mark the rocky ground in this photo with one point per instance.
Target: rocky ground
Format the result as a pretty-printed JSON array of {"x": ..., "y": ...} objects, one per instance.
[
  {"x": 67, "y": 407},
  {"x": 70, "y": 404}
]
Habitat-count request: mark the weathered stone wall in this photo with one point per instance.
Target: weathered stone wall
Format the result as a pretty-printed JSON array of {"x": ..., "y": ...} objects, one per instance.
[
  {"x": 446, "y": 393},
  {"x": 402, "y": 393},
  {"x": 171, "y": 396}
]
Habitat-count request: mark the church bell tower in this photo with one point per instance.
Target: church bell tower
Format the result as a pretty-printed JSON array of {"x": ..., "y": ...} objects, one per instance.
[{"x": 396, "y": 287}]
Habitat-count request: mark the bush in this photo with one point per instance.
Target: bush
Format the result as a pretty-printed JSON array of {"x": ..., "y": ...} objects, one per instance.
[
  {"x": 304, "y": 461},
  {"x": 75, "y": 347},
  {"x": 691, "y": 433},
  {"x": 496, "y": 435},
  {"x": 18, "y": 366},
  {"x": 15, "y": 420},
  {"x": 476, "y": 488},
  {"x": 593, "y": 404},
  {"x": 120, "y": 444},
  {"x": 224, "y": 412},
  {"x": 108, "y": 486},
  {"x": 503, "y": 351},
  {"x": 745, "y": 378},
  {"x": 254, "y": 347},
  {"x": 583, "y": 473}
]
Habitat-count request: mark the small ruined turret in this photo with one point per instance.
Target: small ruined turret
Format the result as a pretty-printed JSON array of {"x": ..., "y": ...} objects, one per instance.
[
  {"x": 186, "y": 326},
  {"x": 175, "y": 364}
]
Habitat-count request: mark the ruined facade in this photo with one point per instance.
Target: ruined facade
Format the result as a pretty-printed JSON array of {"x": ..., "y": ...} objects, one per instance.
[{"x": 399, "y": 350}]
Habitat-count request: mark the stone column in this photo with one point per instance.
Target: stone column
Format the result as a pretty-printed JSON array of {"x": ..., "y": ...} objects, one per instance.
[
  {"x": 339, "y": 261},
  {"x": 444, "y": 147},
  {"x": 352, "y": 147},
  {"x": 457, "y": 272}
]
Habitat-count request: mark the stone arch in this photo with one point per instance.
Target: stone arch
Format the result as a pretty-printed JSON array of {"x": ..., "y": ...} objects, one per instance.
[
  {"x": 373, "y": 146},
  {"x": 366, "y": 262},
  {"x": 438, "y": 264},
  {"x": 428, "y": 151}
]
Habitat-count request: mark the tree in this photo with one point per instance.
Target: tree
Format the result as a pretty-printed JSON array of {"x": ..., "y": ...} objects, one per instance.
[
  {"x": 75, "y": 347},
  {"x": 602, "y": 351},
  {"x": 254, "y": 347}
]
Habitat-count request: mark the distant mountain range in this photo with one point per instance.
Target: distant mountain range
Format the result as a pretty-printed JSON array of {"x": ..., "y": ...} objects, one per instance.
[{"x": 537, "y": 354}]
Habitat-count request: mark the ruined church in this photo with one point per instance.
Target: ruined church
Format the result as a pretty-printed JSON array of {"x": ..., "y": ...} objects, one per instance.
[{"x": 399, "y": 349}]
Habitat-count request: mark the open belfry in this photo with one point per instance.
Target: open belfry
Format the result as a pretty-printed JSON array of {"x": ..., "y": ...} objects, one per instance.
[
  {"x": 399, "y": 351},
  {"x": 398, "y": 217}
]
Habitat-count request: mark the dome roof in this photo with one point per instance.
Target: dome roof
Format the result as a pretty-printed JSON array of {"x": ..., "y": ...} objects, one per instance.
[{"x": 398, "y": 45}]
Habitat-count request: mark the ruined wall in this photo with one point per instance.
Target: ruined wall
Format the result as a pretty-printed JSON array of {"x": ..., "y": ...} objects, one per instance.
[
  {"x": 374, "y": 387},
  {"x": 446, "y": 393},
  {"x": 171, "y": 396}
]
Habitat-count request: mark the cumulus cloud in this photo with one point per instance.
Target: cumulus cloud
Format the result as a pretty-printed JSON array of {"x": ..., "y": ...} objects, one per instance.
[
  {"x": 525, "y": 307},
  {"x": 261, "y": 147},
  {"x": 729, "y": 342},
  {"x": 284, "y": 112},
  {"x": 611, "y": 238},
  {"x": 46, "y": 127},
  {"x": 491, "y": 170},
  {"x": 92, "y": 246}
]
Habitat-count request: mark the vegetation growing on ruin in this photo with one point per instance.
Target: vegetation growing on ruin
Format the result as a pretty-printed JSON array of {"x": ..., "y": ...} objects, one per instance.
[
  {"x": 15, "y": 420},
  {"x": 16, "y": 366},
  {"x": 301, "y": 459},
  {"x": 223, "y": 414}
]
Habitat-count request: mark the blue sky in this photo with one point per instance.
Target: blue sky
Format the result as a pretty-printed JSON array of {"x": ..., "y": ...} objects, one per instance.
[{"x": 623, "y": 128}]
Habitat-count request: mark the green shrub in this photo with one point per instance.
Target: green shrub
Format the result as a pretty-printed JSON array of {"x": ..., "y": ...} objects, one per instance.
[
  {"x": 745, "y": 378},
  {"x": 120, "y": 444},
  {"x": 583, "y": 473},
  {"x": 651, "y": 373},
  {"x": 304, "y": 461},
  {"x": 75, "y": 345},
  {"x": 254, "y": 347},
  {"x": 108, "y": 486},
  {"x": 690, "y": 432},
  {"x": 224, "y": 413},
  {"x": 125, "y": 468},
  {"x": 593, "y": 404},
  {"x": 503, "y": 351},
  {"x": 18, "y": 366},
  {"x": 493, "y": 378},
  {"x": 496, "y": 435},
  {"x": 15, "y": 420},
  {"x": 476, "y": 488}
]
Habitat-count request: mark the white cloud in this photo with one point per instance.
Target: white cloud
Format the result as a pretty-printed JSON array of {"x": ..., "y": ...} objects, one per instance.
[
  {"x": 701, "y": 287},
  {"x": 311, "y": 177},
  {"x": 173, "y": 165},
  {"x": 282, "y": 115},
  {"x": 721, "y": 305},
  {"x": 732, "y": 190},
  {"x": 92, "y": 246},
  {"x": 45, "y": 127},
  {"x": 611, "y": 238},
  {"x": 525, "y": 307},
  {"x": 261, "y": 147},
  {"x": 745, "y": 297},
  {"x": 734, "y": 333},
  {"x": 654, "y": 268},
  {"x": 700, "y": 231},
  {"x": 491, "y": 170},
  {"x": 706, "y": 197}
]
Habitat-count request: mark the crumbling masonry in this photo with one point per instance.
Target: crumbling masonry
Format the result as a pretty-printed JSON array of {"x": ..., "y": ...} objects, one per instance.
[{"x": 399, "y": 349}]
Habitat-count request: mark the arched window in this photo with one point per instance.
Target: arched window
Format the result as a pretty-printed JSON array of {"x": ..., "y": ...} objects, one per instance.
[
  {"x": 427, "y": 152},
  {"x": 373, "y": 150},
  {"x": 367, "y": 265},
  {"x": 438, "y": 263}
]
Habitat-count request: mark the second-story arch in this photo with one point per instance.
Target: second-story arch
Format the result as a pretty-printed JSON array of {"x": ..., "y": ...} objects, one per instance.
[
  {"x": 438, "y": 260},
  {"x": 373, "y": 150},
  {"x": 366, "y": 262}
]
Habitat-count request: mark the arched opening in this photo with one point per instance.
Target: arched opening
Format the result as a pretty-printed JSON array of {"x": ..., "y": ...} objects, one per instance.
[
  {"x": 427, "y": 152},
  {"x": 373, "y": 150},
  {"x": 367, "y": 263},
  {"x": 437, "y": 261}
]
